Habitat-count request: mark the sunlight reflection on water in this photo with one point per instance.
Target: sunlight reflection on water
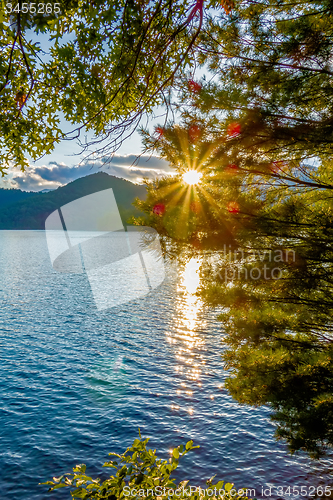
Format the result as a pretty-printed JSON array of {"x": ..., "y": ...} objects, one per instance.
[{"x": 187, "y": 335}]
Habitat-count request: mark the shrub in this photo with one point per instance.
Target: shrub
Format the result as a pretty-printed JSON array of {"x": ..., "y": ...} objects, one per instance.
[{"x": 140, "y": 474}]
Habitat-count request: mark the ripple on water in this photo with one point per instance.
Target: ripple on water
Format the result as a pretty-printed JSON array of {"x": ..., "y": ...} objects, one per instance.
[{"x": 77, "y": 383}]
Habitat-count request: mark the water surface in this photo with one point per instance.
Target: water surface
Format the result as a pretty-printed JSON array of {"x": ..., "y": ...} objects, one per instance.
[{"x": 77, "y": 383}]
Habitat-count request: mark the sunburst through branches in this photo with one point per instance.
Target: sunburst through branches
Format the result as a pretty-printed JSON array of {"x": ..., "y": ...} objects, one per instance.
[{"x": 192, "y": 177}]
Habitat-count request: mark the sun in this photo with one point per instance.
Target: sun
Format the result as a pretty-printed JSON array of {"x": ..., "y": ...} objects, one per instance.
[{"x": 192, "y": 177}]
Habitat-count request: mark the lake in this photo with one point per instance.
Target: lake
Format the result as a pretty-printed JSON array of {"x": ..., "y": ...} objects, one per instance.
[{"x": 77, "y": 383}]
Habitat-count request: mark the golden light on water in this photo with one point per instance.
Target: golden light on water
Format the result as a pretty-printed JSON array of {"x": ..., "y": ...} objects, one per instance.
[
  {"x": 191, "y": 277},
  {"x": 186, "y": 335},
  {"x": 190, "y": 305},
  {"x": 192, "y": 177}
]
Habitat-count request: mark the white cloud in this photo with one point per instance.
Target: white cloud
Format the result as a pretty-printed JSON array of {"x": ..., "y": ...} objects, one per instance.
[{"x": 53, "y": 175}]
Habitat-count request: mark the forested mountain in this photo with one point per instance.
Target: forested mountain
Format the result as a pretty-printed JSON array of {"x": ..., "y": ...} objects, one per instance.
[
  {"x": 27, "y": 210},
  {"x": 10, "y": 196}
]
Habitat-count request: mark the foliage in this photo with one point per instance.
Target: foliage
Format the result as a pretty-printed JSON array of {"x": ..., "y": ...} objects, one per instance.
[
  {"x": 108, "y": 64},
  {"x": 261, "y": 217},
  {"x": 269, "y": 266},
  {"x": 272, "y": 62},
  {"x": 10, "y": 196},
  {"x": 139, "y": 473},
  {"x": 296, "y": 378}
]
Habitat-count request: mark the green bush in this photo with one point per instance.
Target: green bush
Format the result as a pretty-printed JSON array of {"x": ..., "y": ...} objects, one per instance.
[{"x": 140, "y": 474}]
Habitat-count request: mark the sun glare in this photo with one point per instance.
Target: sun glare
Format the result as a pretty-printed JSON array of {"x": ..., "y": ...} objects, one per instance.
[{"x": 192, "y": 177}]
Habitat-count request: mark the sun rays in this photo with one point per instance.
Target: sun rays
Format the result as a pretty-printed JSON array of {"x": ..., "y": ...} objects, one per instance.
[
  {"x": 192, "y": 177},
  {"x": 192, "y": 198},
  {"x": 184, "y": 198}
]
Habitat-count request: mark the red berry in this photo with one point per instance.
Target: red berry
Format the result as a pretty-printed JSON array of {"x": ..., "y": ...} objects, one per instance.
[
  {"x": 233, "y": 129},
  {"x": 159, "y": 209},
  {"x": 195, "y": 206},
  {"x": 194, "y": 86},
  {"x": 227, "y": 5},
  {"x": 233, "y": 207},
  {"x": 159, "y": 131},
  {"x": 232, "y": 169},
  {"x": 194, "y": 133}
]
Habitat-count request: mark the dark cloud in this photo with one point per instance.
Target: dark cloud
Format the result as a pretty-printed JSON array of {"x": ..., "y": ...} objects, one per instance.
[{"x": 37, "y": 178}]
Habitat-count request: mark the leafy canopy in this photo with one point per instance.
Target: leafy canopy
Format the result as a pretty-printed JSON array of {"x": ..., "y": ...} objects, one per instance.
[{"x": 108, "y": 64}]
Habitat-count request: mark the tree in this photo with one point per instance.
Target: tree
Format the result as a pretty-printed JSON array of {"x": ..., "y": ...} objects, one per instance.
[
  {"x": 273, "y": 65},
  {"x": 261, "y": 217},
  {"x": 293, "y": 376},
  {"x": 109, "y": 64},
  {"x": 266, "y": 247}
]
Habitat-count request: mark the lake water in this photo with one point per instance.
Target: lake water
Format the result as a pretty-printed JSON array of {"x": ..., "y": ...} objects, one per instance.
[{"x": 76, "y": 383}]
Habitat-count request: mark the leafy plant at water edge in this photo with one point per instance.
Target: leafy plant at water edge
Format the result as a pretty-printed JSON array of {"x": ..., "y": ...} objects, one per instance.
[{"x": 139, "y": 473}]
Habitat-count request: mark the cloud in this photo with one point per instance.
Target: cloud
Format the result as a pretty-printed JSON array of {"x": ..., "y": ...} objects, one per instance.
[
  {"x": 53, "y": 175},
  {"x": 144, "y": 161}
]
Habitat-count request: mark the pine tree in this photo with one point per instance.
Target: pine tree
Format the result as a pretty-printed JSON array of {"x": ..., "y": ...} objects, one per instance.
[
  {"x": 266, "y": 247},
  {"x": 261, "y": 217}
]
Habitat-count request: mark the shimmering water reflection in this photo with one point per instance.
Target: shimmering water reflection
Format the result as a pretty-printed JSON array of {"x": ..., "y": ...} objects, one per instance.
[{"x": 76, "y": 383}]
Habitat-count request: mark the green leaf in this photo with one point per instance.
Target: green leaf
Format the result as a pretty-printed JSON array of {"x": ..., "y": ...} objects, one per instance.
[
  {"x": 189, "y": 445},
  {"x": 228, "y": 486}
]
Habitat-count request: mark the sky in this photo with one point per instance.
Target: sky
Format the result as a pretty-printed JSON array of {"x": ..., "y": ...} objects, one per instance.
[{"x": 64, "y": 165}]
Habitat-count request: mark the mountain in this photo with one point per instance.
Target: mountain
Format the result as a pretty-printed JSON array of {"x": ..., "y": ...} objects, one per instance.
[
  {"x": 9, "y": 196},
  {"x": 23, "y": 210}
]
